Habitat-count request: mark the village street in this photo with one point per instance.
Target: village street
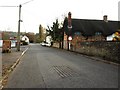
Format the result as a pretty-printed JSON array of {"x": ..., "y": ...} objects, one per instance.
[{"x": 45, "y": 67}]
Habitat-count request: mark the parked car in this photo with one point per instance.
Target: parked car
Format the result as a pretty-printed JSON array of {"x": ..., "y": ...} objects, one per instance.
[
  {"x": 43, "y": 44},
  {"x": 48, "y": 44},
  {"x": 13, "y": 43}
]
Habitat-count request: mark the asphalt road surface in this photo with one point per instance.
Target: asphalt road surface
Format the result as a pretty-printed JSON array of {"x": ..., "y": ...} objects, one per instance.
[{"x": 44, "y": 67}]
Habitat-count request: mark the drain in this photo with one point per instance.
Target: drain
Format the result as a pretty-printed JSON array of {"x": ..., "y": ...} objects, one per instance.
[{"x": 65, "y": 71}]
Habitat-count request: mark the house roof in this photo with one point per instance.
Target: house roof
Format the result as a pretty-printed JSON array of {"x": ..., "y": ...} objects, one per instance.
[{"x": 89, "y": 27}]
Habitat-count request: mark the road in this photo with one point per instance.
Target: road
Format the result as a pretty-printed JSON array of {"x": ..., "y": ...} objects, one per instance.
[{"x": 44, "y": 67}]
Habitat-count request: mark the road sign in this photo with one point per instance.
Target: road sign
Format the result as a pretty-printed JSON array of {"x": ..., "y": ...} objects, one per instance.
[
  {"x": 70, "y": 38},
  {"x": 69, "y": 27}
]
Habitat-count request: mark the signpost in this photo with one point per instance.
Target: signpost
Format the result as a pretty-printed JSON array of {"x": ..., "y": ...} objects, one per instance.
[{"x": 69, "y": 38}]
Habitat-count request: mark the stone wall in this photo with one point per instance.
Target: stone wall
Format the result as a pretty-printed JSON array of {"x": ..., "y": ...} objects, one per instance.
[
  {"x": 56, "y": 45},
  {"x": 106, "y": 50}
]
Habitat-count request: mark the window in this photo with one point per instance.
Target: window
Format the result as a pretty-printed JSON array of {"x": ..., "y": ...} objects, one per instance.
[
  {"x": 78, "y": 33},
  {"x": 98, "y": 33}
]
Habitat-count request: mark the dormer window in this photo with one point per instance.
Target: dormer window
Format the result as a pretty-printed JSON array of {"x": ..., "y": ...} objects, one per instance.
[
  {"x": 98, "y": 33},
  {"x": 78, "y": 33}
]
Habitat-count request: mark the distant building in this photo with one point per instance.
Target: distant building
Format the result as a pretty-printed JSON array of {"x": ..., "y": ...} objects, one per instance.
[
  {"x": 0, "y": 35},
  {"x": 8, "y": 35},
  {"x": 1, "y": 41},
  {"x": 31, "y": 36},
  {"x": 25, "y": 39},
  {"x": 48, "y": 39}
]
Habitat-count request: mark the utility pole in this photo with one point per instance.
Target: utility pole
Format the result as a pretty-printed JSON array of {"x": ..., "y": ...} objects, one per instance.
[{"x": 18, "y": 36}]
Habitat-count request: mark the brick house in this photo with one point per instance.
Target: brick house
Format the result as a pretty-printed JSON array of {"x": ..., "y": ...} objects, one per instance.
[{"x": 88, "y": 30}]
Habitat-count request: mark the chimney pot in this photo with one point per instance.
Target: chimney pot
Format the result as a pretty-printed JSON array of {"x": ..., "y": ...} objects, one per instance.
[
  {"x": 69, "y": 19},
  {"x": 69, "y": 15},
  {"x": 105, "y": 18}
]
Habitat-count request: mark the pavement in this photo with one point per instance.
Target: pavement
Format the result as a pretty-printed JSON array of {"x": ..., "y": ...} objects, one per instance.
[{"x": 9, "y": 62}]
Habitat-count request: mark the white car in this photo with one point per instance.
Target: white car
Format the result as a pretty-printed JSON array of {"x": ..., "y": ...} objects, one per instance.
[
  {"x": 43, "y": 44},
  {"x": 48, "y": 44},
  {"x": 13, "y": 43}
]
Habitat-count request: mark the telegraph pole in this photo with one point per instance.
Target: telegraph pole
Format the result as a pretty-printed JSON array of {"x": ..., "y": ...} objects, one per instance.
[{"x": 18, "y": 36}]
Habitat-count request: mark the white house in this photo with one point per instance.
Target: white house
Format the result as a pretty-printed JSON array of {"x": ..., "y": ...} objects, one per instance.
[
  {"x": 25, "y": 39},
  {"x": 48, "y": 39}
]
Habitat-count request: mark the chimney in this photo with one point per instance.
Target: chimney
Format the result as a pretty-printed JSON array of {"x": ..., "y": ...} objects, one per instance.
[
  {"x": 105, "y": 18},
  {"x": 69, "y": 19}
]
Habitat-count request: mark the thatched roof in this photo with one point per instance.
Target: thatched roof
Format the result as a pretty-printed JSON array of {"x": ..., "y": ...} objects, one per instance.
[{"x": 89, "y": 27}]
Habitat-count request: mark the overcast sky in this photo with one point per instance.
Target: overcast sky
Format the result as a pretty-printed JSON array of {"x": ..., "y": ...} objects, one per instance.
[{"x": 45, "y": 12}]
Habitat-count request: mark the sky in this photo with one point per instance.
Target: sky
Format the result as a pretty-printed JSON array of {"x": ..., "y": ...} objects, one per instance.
[{"x": 45, "y": 12}]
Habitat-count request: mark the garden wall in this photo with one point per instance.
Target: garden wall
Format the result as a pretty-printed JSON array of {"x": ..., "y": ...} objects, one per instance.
[{"x": 106, "y": 50}]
